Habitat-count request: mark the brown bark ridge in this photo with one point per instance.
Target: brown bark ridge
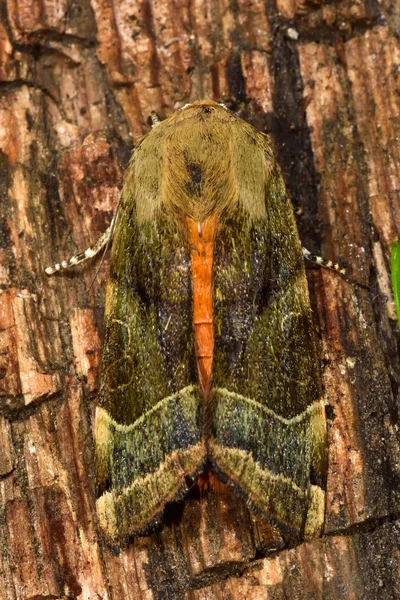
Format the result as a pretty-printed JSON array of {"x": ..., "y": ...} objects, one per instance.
[{"x": 77, "y": 83}]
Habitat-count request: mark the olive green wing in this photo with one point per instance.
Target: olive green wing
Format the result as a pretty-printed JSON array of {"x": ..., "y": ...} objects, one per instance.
[
  {"x": 269, "y": 432},
  {"x": 147, "y": 427}
]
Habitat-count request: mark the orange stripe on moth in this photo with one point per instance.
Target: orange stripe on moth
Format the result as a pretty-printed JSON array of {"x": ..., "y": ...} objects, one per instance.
[{"x": 201, "y": 239}]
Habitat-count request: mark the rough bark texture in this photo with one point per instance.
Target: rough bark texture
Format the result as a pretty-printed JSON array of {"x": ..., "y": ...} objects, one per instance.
[{"x": 78, "y": 81}]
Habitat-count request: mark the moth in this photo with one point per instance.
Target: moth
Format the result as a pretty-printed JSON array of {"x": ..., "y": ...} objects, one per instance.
[{"x": 209, "y": 358}]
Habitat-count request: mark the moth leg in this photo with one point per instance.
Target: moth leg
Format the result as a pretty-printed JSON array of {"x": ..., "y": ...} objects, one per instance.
[
  {"x": 154, "y": 118},
  {"x": 323, "y": 262},
  {"x": 89, "y": 253}
]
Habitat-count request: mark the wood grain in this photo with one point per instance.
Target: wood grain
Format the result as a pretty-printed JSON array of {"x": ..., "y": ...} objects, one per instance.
[{"x": 78, "y": 81}]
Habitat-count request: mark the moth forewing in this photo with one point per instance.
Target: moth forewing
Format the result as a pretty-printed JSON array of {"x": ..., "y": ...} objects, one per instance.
[{"x": 209, "y": 356}]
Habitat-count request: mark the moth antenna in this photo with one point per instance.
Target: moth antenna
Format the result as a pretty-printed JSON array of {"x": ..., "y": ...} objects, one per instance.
[
  {"x": 323, "y": 262},
  {"x": 89, "y": 253},
  {"x": 328, "y": 264},
  {"x": 106, "y": 245}
]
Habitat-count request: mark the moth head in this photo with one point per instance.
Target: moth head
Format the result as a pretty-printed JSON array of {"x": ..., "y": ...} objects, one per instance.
[{"x": 207, "y": 105}]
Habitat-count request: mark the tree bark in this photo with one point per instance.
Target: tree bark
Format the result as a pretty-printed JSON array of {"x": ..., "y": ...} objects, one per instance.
[{"x": 77, "y": 83}]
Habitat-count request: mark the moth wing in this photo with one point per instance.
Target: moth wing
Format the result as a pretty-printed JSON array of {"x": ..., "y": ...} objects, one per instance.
[
  {"x": 269, "y": 431},
  {"x": 147, "y": 425}
]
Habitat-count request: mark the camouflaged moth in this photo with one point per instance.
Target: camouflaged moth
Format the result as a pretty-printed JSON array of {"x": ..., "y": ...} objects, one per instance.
[{"x": 209, "y": 355}]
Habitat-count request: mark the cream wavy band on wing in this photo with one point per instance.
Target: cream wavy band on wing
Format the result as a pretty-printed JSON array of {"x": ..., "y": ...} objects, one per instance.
[
  {"x": 289, "y": 447},
  {"x": 274, "y": 496},
  {"x": 127, "y": 452},
  {"x": 312, "y": 409},
  {"x": 188, "y": 391},
  {"x": 123, "y": 514}
]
